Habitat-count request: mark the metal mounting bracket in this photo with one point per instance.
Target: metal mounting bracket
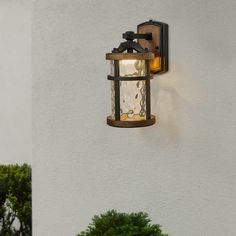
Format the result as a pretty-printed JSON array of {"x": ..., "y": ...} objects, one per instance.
[{"x": 158, "y": 44}]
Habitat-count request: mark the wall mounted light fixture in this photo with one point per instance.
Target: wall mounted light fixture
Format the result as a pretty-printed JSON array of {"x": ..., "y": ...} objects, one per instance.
[{"x": 133, "y": 64}]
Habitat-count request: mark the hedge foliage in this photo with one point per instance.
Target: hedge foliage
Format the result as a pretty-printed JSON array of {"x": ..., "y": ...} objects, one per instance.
[
  {"x": 113, "y": 223},
  {"x": 15, "y": 200}
]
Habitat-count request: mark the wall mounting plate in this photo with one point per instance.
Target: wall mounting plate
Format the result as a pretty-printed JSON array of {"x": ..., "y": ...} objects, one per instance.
[{"x": 158, "y": 45}]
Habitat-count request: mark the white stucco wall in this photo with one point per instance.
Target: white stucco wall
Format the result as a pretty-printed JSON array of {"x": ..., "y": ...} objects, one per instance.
[
  {"x": 15, "y": 81},
  {"x": 182, "y": 170}
]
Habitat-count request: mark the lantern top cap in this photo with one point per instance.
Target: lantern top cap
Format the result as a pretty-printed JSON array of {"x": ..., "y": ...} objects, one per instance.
[{"x": 130, "y": 56}]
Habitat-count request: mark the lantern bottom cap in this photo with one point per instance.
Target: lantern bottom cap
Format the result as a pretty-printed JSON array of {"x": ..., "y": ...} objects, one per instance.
[{"x": 131, "y": 124}]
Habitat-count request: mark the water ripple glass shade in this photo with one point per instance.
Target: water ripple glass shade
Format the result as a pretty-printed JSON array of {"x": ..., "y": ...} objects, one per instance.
[
  {"x": 130, "y": 89},
  {"x": 132, "y": 93}
]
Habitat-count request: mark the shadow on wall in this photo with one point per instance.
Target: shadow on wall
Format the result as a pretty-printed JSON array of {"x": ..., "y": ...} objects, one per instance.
[
  {"x": 174, "y": 106},
  {"x": 166, "y": 103}
]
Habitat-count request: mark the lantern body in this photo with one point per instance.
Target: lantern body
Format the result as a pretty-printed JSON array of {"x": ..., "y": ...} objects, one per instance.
[
  {"x": 132, "y": 93},
  {"x": 130, "y": 89}
]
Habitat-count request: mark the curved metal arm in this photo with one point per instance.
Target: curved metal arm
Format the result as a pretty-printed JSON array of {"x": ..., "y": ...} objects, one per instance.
[{"x": 129, "y": 45}]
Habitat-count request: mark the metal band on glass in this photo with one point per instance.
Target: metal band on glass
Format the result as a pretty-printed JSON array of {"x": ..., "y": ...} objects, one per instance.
[
  {"x": 130, "y": 56},
  {"x": 148, "y": 96},
  {"x": 126, "y": 78},
  {"x": 117, "y": 90},
  {"x": 131, "y": 124}
]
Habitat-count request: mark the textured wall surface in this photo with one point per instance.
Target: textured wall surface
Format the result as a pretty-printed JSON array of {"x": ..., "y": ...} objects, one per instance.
[
  {"x": 182, "y": 170},
  {"x": 15, "y": 81}
]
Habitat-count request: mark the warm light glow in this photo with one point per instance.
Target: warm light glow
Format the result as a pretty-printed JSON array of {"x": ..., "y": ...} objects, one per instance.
[
  {"x": 132, "y": 68},
  {"x": 155, "y": 64}
]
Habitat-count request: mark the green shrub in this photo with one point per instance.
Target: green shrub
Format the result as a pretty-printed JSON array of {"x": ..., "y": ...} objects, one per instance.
[
  {"x": 113, "y": 223},
  {"x": 15, "y": 200}
]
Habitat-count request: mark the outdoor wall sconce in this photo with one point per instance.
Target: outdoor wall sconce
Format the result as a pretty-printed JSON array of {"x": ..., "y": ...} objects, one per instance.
[{"x": 132, "y": 66}]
